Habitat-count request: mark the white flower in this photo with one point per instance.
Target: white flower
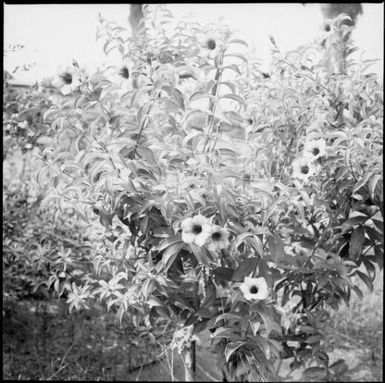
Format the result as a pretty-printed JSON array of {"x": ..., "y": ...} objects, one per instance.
[
  {"x": 211, "y": 43},
  {"x": 303, "y": 168},
  {"x": 166, "y": 74},
  {"x": 196, "y": 230},
  {"x": 254, "y": 288},
  {"x": 315, "y": 149},
  {"x": 219, "y": 238},
  {"x": 67, "y": 80},
  {"x": 122, "y": 75}
]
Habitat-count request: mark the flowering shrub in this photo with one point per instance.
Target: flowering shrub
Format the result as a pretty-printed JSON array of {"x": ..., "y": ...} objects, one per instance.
[
  {"x": 220, "y": 197},
  {"x": 37, "y": 251},
  {"x": 22, "y": 117}
]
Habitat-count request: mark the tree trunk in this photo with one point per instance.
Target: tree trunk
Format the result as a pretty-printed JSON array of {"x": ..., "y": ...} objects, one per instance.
[
  {"x": 136, "y": 15},
  {"x": 332, "y": 10}
]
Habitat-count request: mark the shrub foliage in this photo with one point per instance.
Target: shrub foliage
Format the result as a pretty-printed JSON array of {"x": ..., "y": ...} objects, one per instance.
[{"x": 195, "y": 176}]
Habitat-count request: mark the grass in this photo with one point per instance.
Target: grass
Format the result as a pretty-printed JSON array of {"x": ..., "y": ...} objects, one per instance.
[
  {"x": 41, "y": 340},
  {"x": 356, "y": 334}
]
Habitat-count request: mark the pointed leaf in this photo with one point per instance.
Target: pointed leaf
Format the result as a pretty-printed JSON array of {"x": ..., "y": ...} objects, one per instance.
[
  {"x": 244, "y": 269},
  {"x": 231, "y": 348}
]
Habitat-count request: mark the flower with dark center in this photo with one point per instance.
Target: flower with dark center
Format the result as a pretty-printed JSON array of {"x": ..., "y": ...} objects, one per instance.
[
  {"x": 124, "y": 72},
  {"x": 67, "y": 78},
  {"x": 254, "y": 288},
  {"x": 211, "y": 44},
  {"x": 196, "y": 230},
  {"x": 219, "y": 238},
  {"x": 314, "y": 149},
  {"x": 303, "y": 168}
]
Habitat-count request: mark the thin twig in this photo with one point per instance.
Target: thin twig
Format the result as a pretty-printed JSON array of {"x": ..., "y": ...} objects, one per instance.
[
  {"x": 62, "y": 362},
  {"x": 140, "y": 371},
  {"x": 144, "y": 122},
  {"x": 212, "y": 105}
]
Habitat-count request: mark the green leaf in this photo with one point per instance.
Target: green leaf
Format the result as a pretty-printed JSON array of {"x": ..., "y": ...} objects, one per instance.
[
  {"x": 244, "y": 269},
  {"x": 235, "y": 98},
  {"x": 379, "y": 226},
  {"x": 170, "y": 254},
  {"x": 237, "y": 41},
  {"x": 314, "y": 374},
  {"x": 226, "y": 333},
  {"x": 370, "y": 268},
  {"x": 229, "y": 317},
  {"x": 231, "y": 348},
  {"x": 199, "y": 95},
  {"x": 200, "y": 254},
  {"x": 267, "y": 316},
  {"x": 168, "y": 242},
  {"x": 339, "y": 367},
  {"x": 356, "y": 220},
  {"x": 276, "y": 249},
  {"x": 356, "y": 242},
  {"x": 224, "y": 273},
  {"x": 368, "y": 282},
  {"x": 192, "y": 319},
  {"x": 234, "y": 68},
  {"x": 373, "y": 184},
  {"x": 358, "y": 292},
  {"x": 255, "y": 327},
  {"x": 231, "y": 86},
  {"x": 379, "y": 256}
]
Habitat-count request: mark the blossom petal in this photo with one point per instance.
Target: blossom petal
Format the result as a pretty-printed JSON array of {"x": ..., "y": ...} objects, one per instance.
[
  {"x": 187, "y": 224},
  {"x": 249, "y": 296},
  {"x": 248, "y": 281},
  {"x": 244, "y": 288},
  {"x": 200, "y": 220},
  {"x": 201, "y": 238},
  {"x": 188, "y": 237}
]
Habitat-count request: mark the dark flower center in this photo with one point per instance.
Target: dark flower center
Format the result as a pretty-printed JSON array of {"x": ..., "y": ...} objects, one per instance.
[
  {"x": 250, "y": 121},
  {"x": 124, "y": 72},
  {"x": 216, "y": 236},
  {"x": 253, "y": 289},
  {"x": 305, "y": 169},
  {"x": 197, "y": 229},
  {"x": 67, "y": 78},
  {"x": 211, "y": 44},
  {"x": 315, "y": 151}
]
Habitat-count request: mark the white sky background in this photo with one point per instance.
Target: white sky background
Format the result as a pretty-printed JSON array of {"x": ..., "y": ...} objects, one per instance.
[{"x": 54, "y": 34}]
